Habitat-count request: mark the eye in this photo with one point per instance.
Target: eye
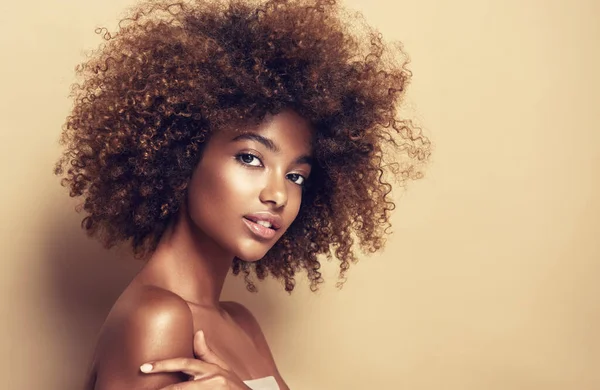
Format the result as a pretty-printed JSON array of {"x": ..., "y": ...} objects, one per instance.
[
  {"x": 297, "y": 178},
  {"x": 248, "y": 159}
]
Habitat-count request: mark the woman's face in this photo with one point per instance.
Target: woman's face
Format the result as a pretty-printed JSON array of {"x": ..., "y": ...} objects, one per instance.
[{"x": 247, "y": 188}]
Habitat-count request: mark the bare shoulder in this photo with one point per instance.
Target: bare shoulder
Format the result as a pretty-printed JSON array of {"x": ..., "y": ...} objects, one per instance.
[
  {"x": 243, "y": 317},
  {"x": 148, "y": 310},
  {"x": 156, "y": 308},
  {"x": 246, "y": 320},
  {"x": 144, "y": 325}
]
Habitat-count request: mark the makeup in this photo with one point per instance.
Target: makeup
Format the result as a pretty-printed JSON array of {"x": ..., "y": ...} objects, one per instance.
[{"x": 260, "y": 230}]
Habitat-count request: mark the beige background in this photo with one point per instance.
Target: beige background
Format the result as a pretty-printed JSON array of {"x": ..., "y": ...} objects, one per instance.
[{"x": 490, "y": 278}]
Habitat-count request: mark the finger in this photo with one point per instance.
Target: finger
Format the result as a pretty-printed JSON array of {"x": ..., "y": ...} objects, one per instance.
[
  {"x": 203, "y": 351},
  {"x": 192, "y": 367},
  {"x": 209, "y": 383}
]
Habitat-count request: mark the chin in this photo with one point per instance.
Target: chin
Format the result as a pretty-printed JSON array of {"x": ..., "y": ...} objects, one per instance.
[
  {"x": 253, "y": 252},
  {"x": 251, "y": 257}
]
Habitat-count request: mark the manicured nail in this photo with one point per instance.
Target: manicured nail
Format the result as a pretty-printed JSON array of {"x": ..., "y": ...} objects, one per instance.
[{"x": 146, "y": 367}]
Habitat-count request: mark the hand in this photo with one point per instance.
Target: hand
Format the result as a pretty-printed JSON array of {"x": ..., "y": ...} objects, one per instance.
[{"x": 208, "y": 371}]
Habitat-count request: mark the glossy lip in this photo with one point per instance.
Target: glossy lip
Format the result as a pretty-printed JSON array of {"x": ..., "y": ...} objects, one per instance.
[
  {"x": 273, "y": 219},
  {"x": 259, "y": 230}
]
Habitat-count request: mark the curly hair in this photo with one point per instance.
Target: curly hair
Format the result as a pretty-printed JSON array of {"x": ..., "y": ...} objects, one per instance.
[{"x": 175, "y": 72}]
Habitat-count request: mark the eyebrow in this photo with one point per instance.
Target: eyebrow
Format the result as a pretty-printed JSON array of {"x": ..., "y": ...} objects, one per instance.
[
  {"x": 269, "y": 144},
  {"x": 258, "y": 138}
]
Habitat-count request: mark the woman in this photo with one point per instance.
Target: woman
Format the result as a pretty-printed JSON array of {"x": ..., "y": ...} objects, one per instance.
[{"x": 228, "y": 135}]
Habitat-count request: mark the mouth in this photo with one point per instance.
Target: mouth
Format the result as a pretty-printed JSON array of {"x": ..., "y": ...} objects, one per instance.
[
  {"x": 268, "y": 220},
  {"x": 260, "y": 228}
]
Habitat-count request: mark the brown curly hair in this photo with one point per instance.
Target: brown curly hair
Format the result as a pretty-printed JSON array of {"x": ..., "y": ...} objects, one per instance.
[{"x": 176, "y": 72}]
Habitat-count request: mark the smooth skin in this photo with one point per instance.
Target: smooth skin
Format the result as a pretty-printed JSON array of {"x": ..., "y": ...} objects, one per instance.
[
  {"x": 208, "y": 369},
  {"x": 158, "y": 317}
]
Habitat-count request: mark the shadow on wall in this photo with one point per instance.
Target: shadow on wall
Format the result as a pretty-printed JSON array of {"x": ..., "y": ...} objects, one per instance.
[{"x": 83, "y": 282}]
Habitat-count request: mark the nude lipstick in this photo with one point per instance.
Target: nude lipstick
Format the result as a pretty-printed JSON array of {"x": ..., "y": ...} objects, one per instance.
[{"x": 263, "y": 224}]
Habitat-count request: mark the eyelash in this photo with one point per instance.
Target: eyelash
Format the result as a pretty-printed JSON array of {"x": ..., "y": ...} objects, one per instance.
[{"x": 239, "y": 156}]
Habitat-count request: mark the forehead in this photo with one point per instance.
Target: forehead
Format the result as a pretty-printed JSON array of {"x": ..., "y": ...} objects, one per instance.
[{"x": 287, "y": 130}]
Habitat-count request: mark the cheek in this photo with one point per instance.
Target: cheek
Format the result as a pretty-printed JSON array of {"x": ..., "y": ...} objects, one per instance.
[
  {"x": 218, "y": 194},
  {"x": 293, "y": 207}
]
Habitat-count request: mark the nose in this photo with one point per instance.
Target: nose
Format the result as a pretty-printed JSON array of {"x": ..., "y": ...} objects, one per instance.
[{"x": 274, "y": 191}]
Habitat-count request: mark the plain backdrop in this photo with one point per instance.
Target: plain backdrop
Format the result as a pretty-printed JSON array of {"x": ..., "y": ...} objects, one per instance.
[{"x": 489, "y": 280}]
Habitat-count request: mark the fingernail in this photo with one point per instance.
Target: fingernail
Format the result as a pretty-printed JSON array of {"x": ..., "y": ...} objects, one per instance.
[{"x": 147, "y": 367}]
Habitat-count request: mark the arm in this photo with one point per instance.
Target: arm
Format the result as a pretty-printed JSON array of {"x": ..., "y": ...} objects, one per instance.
[{"x": 156, "y": 325}]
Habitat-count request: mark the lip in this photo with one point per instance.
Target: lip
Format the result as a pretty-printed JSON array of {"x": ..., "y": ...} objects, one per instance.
[
  {"x": 262, "y": 231},
  {"x": 259, "y": 230},
  {"x": 273, "y": 219}
]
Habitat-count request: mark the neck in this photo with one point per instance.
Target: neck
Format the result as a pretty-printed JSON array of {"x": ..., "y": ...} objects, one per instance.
[{"x": 188, "y": 263}]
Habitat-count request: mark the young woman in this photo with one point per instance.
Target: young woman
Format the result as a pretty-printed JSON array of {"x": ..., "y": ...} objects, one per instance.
[{"x": 215, "y": 136}]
